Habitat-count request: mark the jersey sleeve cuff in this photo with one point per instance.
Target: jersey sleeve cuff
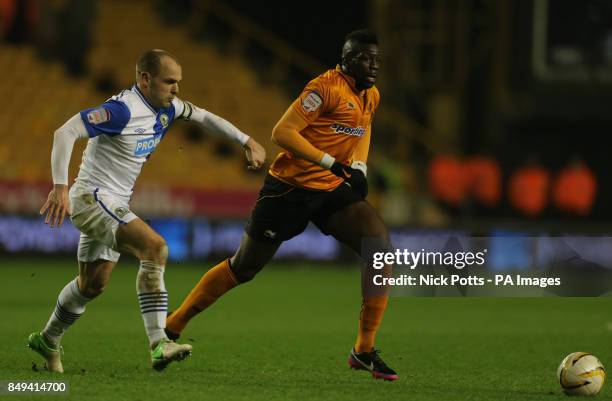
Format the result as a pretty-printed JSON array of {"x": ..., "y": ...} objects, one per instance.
[
  {"x": 359, "y": 165},
  {"x": 327, "y": 161}
]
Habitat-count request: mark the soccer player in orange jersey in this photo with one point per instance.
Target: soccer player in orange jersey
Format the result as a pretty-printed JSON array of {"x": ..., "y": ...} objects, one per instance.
[{"x": 320, "y": 177}]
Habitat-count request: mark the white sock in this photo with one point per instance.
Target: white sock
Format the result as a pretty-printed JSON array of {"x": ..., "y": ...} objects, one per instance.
[
  {"x": 69, "y": 307},
  {"x": 153, "y": 299}
]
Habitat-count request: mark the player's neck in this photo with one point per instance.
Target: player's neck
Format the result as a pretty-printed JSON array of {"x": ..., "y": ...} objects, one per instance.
[
  {"x": 146, "y": 96},
  {"x": 351, "y": 80}
]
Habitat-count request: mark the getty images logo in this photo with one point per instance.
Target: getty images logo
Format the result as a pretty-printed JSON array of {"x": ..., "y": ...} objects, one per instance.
[{"x": 343, "y": 129}]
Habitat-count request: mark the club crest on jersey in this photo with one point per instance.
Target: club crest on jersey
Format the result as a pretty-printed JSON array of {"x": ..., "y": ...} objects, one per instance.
[
  {"x": 311, "y": 102},
  {"x": 121, "y": 212},
  {"x": 147, "y": 145},
  {"x": 98, "y": 116},
  {"x": 343, "y": 129},
  {"x": 350, "y": 106},
  {"x": 163, "y": 119}
]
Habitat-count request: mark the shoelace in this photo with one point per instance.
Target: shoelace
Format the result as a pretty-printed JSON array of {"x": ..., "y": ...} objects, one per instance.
[{"x": 377, "y": 359}]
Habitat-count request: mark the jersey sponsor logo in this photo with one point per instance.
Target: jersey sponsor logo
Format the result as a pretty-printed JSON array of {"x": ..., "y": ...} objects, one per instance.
[
  {"x": 98, "y": 116},
  {"x": 140, "y": 130},
  {"x": 343, "y": 129},
  {"x": 163, "y": 119},
  {"x": 311, "y": 102},
  {"x": 147, "y": 145}
]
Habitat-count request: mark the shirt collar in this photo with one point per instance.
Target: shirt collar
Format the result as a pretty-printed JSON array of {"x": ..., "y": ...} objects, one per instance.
[
  {"x": 136, "y": 89},
  {"x": 348, "y": 78}
]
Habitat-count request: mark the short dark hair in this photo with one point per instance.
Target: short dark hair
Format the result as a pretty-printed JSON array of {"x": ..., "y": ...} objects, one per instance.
[
  {"x": 150, "y": 61},
  {"x": 363, "y": 36}
]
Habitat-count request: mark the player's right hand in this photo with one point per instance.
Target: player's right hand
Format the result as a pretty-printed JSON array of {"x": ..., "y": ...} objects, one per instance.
[
  {"x": 255, "y": 154},
  {"x": 57, "y": 205},
  {"x": 354, "y": 177}
]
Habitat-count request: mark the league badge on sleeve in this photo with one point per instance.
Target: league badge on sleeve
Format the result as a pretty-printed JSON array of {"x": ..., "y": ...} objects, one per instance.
[
  {"x": 311, "y": 102},
  {"x": 98, "y": 116}
]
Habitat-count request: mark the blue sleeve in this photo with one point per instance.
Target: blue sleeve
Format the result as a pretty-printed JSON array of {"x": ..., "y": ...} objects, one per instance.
[{"x": 108, "y": 119}]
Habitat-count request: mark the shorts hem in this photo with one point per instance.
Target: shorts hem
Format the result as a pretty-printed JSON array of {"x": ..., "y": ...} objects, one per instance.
[{"x": 95, "y": 259}]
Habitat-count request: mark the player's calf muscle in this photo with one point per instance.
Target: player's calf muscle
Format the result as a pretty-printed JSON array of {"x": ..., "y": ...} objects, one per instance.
[
  {"x": 92, "y": 289},
  {"x": 94, "y": 277}
]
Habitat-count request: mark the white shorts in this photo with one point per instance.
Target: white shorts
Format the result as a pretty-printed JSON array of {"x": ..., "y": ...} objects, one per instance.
[{"x": 97, "y": 215}]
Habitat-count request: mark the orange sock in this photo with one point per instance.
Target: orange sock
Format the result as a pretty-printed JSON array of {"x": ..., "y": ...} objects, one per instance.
[
  {"x": 214, "y": 283},
  {"x": 372, "y": 311}
]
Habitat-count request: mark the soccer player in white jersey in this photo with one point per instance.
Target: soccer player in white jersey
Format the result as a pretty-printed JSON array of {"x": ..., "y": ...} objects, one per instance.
[{"x": 122, "y": 132}]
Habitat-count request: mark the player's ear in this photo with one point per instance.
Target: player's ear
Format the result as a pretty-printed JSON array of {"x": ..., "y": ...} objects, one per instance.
[
  {"x": 145, "y": 78},
  {"x": 345, "y": 64}
]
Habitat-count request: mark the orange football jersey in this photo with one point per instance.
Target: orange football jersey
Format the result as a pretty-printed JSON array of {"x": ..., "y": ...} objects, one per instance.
[{"x": 338, "y": 117}]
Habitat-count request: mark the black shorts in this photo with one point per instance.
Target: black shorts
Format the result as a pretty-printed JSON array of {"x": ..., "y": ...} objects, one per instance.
[{"x": 283, "y": 211}]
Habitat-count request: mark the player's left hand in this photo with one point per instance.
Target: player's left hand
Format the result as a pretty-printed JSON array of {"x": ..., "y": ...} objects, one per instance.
[
  {"x": 354, "y": 177},
  {"x": 255, "y": 154}
]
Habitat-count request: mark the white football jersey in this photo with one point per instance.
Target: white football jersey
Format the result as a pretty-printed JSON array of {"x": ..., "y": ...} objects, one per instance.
[{"x": 123, "y": 132}]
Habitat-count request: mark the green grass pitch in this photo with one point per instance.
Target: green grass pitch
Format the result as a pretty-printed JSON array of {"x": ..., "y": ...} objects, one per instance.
[{"x": 287, "y": 334}]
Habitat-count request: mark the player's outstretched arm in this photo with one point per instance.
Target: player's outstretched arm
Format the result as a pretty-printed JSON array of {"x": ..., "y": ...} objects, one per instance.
[
  {"x": 57, "y": 205},
  {"x": 255, "y": 153}
]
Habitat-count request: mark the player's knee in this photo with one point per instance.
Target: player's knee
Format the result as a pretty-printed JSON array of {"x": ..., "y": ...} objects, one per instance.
[
  {"x": 162, "y": 252},
  {"x": 242, "y": 271},
  {"x": 377, "y": 239},
  {"x": 369, "y": 223},
  {"x": 156, "y": 250},
  {"x": 385, "y": 237},
  {"x": 378, "y": 230},
  {"x": 245, "y": 275}
]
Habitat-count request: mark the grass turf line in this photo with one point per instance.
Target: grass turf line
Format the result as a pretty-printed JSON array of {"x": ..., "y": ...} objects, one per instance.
[{"x": 287, "y": 334}]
